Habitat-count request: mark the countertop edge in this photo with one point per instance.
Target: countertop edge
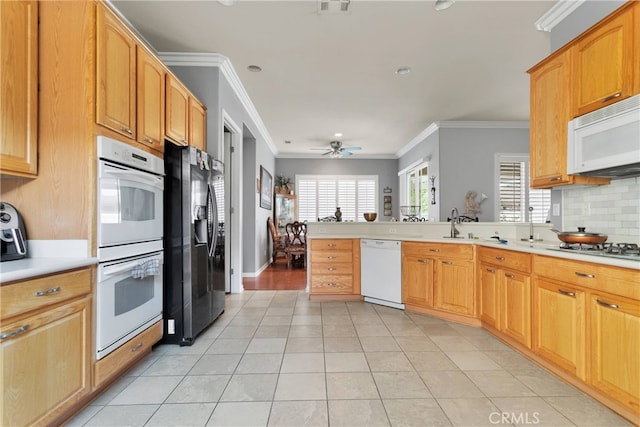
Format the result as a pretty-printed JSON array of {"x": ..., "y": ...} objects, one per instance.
[{"x": 28, "y": 268}]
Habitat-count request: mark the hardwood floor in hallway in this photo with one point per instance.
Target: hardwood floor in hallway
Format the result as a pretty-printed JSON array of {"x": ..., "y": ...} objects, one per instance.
[{"x": 278, "y": 277}]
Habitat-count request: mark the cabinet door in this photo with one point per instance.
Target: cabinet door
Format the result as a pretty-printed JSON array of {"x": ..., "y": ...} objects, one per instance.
[
  {"x": 197, "y": 124},
  {"x": 150, "y": 84},
  {"x": 46, "y": 366},
  {"x": 490, "y": 295},
  {"x": 615, "y": 347},
  {"x": 603, "y": 65},
  {"x": 549, "y": 117},
  {"x": 559, "y": 326},
  {"x": 116, "y": 73},
  {"x": 19, "y": 88},
  {"x": 454, "y": 289},
  {"x": 516, "y": 307},
  {"x": 417, "y": 280},
  {"x": 176, "y": 111}
]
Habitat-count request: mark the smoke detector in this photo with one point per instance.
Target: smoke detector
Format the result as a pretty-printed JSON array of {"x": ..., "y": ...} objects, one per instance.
[{"x": 334, "y": 6}]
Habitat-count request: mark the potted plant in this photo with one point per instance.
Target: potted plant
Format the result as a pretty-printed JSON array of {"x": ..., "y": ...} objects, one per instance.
[{"x": 283, "y": 182}]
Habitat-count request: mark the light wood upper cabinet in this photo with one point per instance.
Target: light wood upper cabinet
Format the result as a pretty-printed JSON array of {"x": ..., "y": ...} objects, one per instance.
[
  {"x": 41, "y": 385},
  {"x": 197, "y": 124},
  {"x": 177, "y": 111},
  {"x": 615, "y": 347},
  {"x": 603, "y": 64},
  {"x": 150, "y": 96},
  {"x": 19, "y": 87},
  {"x": 559, "y": 325},
  {"x": 550, "y": 112},
  {"x": 116, "y": 75}
]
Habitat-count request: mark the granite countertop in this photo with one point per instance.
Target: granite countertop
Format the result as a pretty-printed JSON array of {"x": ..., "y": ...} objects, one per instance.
[{"x": 47, "y": 257}]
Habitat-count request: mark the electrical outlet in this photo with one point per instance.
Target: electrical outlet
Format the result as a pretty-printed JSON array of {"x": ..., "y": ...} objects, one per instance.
[{"x": 393, "y": 230}]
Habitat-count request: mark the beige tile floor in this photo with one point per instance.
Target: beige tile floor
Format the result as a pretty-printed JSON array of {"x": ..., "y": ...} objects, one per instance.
[{"x": 275, "y": 358}]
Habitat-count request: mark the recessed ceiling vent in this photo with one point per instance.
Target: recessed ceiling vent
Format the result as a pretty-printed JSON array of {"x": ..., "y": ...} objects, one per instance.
[{"x": 334, "y": 6}]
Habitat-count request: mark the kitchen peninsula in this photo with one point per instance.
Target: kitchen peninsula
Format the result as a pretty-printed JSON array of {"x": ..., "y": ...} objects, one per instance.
[{"x": 575, "y": 314}]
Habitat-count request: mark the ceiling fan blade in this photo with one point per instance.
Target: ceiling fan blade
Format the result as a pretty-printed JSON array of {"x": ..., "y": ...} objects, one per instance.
[
  {"x": 346, "y": 153},
  {"x": 328, "y": 152},
  {"x": 318, "y": 148},
  {"x": 352, "y": 148}
]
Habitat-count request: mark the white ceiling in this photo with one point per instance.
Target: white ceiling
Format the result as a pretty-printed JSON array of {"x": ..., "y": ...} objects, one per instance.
[{"x": 327, "y": 73}]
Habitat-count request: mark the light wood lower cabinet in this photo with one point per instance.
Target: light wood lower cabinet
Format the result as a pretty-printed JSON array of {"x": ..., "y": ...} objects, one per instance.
[
  {"x": 559, "y": 313},
  {"x": 490, "y": 292},
  {"x": 516, "y": 307},
  {"x": 439, "y": 277},
  {"x": 454, "y": 289},
  {"x": 334, "y": 268},
  {"x": 45, "y": 350},
  {"x": 126, "y": 355},
  {"x": 615, "y": 347}
]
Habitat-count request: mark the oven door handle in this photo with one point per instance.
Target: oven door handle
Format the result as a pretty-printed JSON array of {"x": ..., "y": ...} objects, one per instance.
[
  {"x": 111, "y": 270},
  {"x": 134, "y": 175}
]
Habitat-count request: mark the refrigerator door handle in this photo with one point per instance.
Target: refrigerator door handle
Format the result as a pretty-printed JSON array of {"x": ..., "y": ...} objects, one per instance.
[{"x": 212, "y": 219}]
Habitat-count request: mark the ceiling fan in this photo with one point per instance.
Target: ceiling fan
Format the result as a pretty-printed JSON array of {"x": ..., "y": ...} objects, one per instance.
[{"x": 336, "y": 150}]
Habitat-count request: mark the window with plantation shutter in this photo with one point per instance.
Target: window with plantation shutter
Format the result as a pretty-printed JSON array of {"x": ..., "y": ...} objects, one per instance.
[
  {"x": 514, "y": 195},
  {"x": 319, "y": 195}
]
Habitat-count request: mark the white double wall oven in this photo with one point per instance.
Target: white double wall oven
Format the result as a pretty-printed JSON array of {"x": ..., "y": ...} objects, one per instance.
[{"x": 130, "y": 246}]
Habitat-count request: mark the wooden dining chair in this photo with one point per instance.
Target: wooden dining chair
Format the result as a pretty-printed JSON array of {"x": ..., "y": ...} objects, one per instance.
[
  {"x": 278, "y": 246},
  {"x": 295, "y": 242}
]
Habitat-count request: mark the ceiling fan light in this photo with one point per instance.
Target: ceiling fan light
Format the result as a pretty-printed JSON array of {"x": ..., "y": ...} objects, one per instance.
[{"x": 443, "y": 4}]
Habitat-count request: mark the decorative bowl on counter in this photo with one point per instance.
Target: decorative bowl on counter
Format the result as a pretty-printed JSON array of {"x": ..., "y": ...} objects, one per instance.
[
  {"x": 370, "y": 216},
  {"x": 409, "y": 210}
]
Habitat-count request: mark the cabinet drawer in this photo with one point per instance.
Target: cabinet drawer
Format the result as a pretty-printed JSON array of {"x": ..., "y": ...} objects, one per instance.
[
  {"x": 441, "y": 250},
  {"x": 616, "y": 280},
  {"x": 28, "y": 295},
  {"x": 331, "y": 244},
  {"x": 331, "y": 257},
  {"x": 331, "y": 268},
  {"x": 332, "y": 284},
  {"x": 509, "y": 259},
  {"x": 126, "y": 354}
]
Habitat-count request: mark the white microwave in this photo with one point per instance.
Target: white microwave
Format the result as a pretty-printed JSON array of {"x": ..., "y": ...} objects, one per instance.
[{"x": 606, "y": 142}]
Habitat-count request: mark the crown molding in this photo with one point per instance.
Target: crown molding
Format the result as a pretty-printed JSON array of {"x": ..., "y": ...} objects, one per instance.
[
  {"x": 433, "y": 127},
  {"x": 557, "y": 14},
  {"x": 354, "y": 157},
  {"x": 179, "y": 59}
]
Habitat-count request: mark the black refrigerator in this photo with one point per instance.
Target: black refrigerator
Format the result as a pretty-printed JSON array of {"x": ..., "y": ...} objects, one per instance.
[{"x": 194, "y": 287}]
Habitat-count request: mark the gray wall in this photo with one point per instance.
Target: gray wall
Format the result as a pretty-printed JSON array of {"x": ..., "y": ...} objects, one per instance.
[
  {"x": 463, "y": 159},
  {"x": 213, "y": 89},
  {"x": 386, "y": 170},
  {"x": 579, "y": 20}
]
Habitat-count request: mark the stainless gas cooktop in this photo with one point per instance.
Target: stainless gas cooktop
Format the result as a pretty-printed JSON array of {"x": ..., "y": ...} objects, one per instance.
[{"x": 628, "y": 251}]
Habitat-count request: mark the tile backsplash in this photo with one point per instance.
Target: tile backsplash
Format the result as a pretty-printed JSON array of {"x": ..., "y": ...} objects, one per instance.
[{"x": 612, "y": 209}]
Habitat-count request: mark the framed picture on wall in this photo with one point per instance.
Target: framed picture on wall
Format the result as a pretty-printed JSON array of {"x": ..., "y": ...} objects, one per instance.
[{"x": 266, "y": 189}]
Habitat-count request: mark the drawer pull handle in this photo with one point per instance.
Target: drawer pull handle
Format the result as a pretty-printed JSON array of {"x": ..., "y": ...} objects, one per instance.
[
  {"x": 48, "y": 292},
  {"x": 330, "y": 245},
  {"x": 610, "y": 97},
  {"x": 447, "y": 262},
  {"x": 424, "y": 261},
  {"x": 567, "y": 293},
  {"x": 590, "y": 276},
  {"x": 148, "y": 140},
  {"x": 555, "y": 178},
  {"x": 491, "y": 270},
  {"x": 500, "y": 258},
  {"x": 332, "y": 257},
  {"x": 127, "y": 130},
  {"x": 331, "y": 268},
  {"x": 18, "y": 331},
  {"x": 510, "y": 276},
  {"x": 331, "y": 284},
  {"x": 606, "y": 304},
  {"x": 137, "y": 347},
  {"x": 434, "y": 250}
]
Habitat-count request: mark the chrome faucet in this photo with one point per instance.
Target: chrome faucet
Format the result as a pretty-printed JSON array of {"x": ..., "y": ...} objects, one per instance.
[{"x": 454, "y": 219}]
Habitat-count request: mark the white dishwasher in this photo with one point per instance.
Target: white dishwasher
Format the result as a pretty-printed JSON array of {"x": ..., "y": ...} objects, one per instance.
[{"x": 381, "y": 272}]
